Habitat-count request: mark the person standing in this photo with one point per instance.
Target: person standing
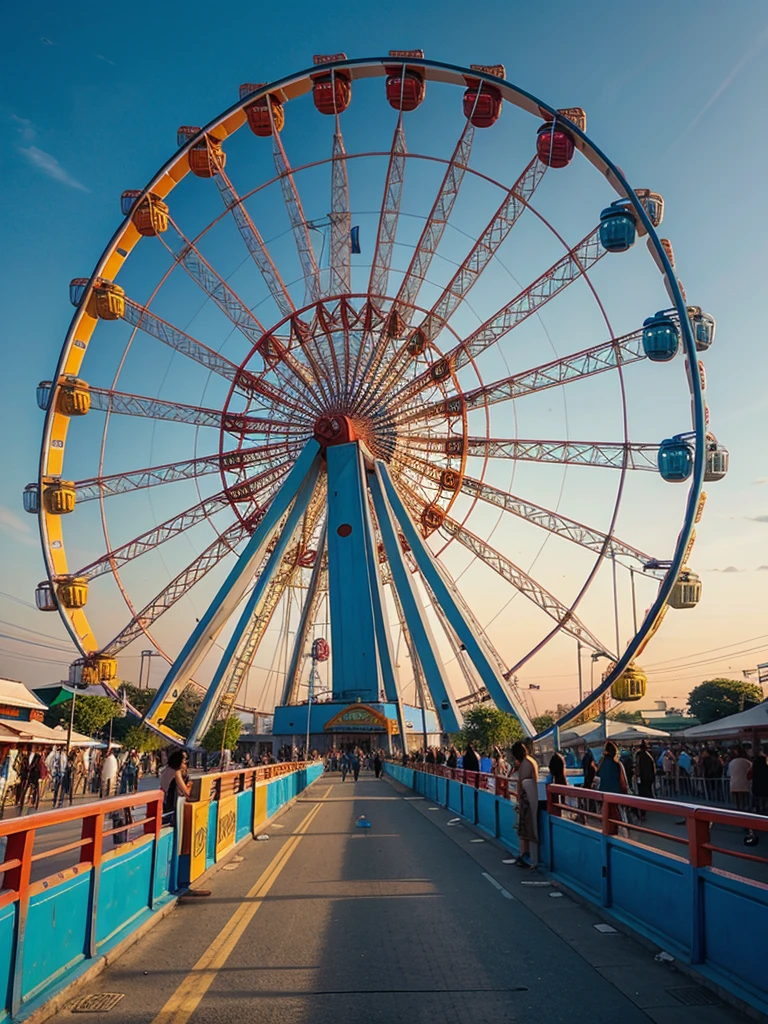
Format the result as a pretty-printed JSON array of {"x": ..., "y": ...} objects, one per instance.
[
  {"x": 740, "y": 774},
  {"x": 108, "y": 774},
  {"x": 378, "y": 764},
  {"x": 610, "y": 771},
  {"x": 760, "y": 782},
  {"x": 173, "y": 782},
  {"x": 355, "y": 764},
  {"x": 527, "y": 773},
  {"x": 646, "y": 774},
  {"x": 471, "y": 760},
  {"x": 344, "y": 766},
  {"x": 588, "y": 768}
]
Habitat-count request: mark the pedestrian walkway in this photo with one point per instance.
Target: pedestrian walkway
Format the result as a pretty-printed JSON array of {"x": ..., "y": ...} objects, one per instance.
[{"x": 413, "y": 919}]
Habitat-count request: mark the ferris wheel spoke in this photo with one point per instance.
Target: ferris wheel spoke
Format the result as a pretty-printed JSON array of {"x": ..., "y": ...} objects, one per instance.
[
  {"x": 254, "y": 243},
  {"x": 577, "y": 261},
  {"x": 299, "y": 224},
  {"x": 613, "y": 455},
  {"x": 607, "y": 356},
  {"x": 121, "y": 403},
  {"x": 341, "y": 219},
  {"x": 139, "y": 316},
  {"x": 484, "y": 249},
  {"x": 153, "y": 476},
  {"x": 249, "y": 490},
  {"x": 178, "y": 587},
  {"x": 520, "y": 580},
  {"x": 426, "y": 247},
  {"x": 239, "y": 315},
  {"x": 476, "y": 261},
  {"x": 390, "y": 212}
]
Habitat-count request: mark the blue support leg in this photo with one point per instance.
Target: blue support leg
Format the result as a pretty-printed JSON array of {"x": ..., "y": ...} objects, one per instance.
[
  {"x": 206, "y": 712},
  {"x": 231, "y": 592},
  {"x": 431, "y": 663},
  {"x": 453, "y": 607}
]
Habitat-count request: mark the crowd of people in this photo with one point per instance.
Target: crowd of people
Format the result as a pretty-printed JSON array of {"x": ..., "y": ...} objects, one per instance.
[{"x": 31, "y": 777}]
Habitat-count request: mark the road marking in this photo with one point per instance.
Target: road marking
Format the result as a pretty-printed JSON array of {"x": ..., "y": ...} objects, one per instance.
[
  {"x": 497, "y": 885},
  {"x": 187, "y": 997},
  {"x": 605, "y": 929}
]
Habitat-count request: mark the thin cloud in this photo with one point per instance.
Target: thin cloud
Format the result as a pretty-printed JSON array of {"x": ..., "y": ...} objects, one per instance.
[
  {"x": 17, "y": 528},
  {"x": 25, "y": 128},
  {"x": 728, "y": 568},
  {"x": 106, "y": 60},
  {"x": 51, "y": 167},
  {"x": 762, "y": 568},
  {"x": 46, "y": 41},
  {"x": 762, "y": 480},
  {"x": 756, "y": 519},
  {"x": 738, "y": 67}
]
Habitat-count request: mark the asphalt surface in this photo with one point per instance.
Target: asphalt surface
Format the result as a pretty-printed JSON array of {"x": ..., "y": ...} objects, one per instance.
[{"x": 412, "y": 919}]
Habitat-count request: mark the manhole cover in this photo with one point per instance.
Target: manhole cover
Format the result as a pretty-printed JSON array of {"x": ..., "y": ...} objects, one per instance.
[
  {"x": 694, "y": 996},
  {"x": 99, "y": 1002}
]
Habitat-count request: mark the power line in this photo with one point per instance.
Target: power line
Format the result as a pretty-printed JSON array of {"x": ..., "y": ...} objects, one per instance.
[
  {"x": 707, "y": 661},
  {"x": 32, "y": 643},
  {"x": 695, "y": 654}
]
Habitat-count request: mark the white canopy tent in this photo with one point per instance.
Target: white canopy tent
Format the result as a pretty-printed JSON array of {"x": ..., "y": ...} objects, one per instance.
[
  {"x": 593, "y": 733},
  {"x": 752, "y": 722}
]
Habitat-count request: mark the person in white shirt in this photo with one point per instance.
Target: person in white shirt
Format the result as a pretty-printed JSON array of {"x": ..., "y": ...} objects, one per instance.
[
  {"x": 108, "y": 774},
  {"x": 740, "y": 774}
]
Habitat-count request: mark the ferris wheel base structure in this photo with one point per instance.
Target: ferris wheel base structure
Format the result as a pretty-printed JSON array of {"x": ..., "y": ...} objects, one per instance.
[{"x": 363, "y": 667}]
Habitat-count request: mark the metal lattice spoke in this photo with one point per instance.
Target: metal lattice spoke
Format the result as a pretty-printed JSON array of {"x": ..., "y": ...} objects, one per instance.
[
  {"x": 298, "y": 221},
  {"x": 254, "y": 243},
  {"x": 520, "y": 580},
  {"x": 613, "y": 455},
  {"x": 178, "y": 587},
  {"x": 188, "y": 469},
  {"x": 198, "y": 268},
  {"x": 175, "y": 526},
  {"x": 608, "y": 356},
  {"x": 121, "y": 403},
  {"x": 426, "y": 247},
  {"x": 139, "y": 316},
  {"x": 553, "y": 281},
  {"x": 341, "y": 219},
  {"x": 390, "y": 213}
]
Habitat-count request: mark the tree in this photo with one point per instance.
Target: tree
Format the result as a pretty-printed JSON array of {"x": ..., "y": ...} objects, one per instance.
[
  {"x": 630, "y": 717},
  {"x": 141, "y": 739},
  {"x": 180, "y": 717},
  {"x": 486, "y": 727},
  {"x": 229, "y": 729},
  {"x": 542, "y": 722},
  {"x": 91, "y": 714},
  {"x": 717, "y": 698}
]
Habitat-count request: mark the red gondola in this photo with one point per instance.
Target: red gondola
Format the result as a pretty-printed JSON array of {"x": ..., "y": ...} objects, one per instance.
[
  {"x": 258, "y": 112},
  {"x": 482, "y": 101},
  {"x": 405, "y": 86},
  {"x": 331, "y": 91}
]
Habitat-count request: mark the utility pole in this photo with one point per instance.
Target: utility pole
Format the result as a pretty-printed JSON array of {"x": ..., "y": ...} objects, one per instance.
[{"x": 581, "y": 682}]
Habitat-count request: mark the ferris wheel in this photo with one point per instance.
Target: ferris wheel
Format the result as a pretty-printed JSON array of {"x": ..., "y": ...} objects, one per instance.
[{"x": 402, "y": 299}]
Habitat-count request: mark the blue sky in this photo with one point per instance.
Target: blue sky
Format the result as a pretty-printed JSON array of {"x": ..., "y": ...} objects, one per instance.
[{"x": 90, "y": 102}]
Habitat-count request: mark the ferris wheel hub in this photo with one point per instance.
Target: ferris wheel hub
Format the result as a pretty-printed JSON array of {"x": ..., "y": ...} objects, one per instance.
[{"x": 331, "y": 430}]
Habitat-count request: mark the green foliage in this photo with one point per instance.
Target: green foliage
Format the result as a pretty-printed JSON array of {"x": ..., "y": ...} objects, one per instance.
[
  {"x": 717, "y": 698},
  {"x": 138, "y": 738},
  {"x": 486, "y": 727},
  {"x": 229, "y": 729},
  {"x": 542, "y": 722},
  {"x": 91, "y": 714},
  {"x": 630, "y": 717},
  {"x": 182, "y": 715}
]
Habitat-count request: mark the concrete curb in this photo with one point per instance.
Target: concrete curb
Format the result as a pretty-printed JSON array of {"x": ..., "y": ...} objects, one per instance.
[{"x": 58, "y": 1001}]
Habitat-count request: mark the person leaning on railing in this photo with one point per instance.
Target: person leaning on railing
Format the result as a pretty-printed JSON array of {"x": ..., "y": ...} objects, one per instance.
[{"x": 174, "y": 783}]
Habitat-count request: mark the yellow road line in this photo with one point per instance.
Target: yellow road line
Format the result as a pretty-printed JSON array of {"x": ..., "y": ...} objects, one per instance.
[{"x": 185, "y": 1000}]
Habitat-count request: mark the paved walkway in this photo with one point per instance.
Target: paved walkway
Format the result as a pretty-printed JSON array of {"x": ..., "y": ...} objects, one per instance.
[{"x": 411, "y": 920}]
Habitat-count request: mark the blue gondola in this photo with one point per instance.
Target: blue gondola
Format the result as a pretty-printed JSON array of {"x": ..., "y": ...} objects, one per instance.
[
  {"x": 675, "y": 460},
  {"x": 32, "y": 499},
  {"x": 660, "y": 338},
  {"x": 618, "y": 228},
  {"x": 77, "y": 290},
  {"x": 703, "y": 325},
  {"x": 43, "y": 394}
]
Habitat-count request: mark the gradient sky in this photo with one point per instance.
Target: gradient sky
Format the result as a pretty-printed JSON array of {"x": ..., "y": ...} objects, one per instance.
[{"x": 90, "y": 101}]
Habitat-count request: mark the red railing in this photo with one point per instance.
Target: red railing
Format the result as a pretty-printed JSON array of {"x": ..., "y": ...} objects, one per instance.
[
  {"x": 498, "y": 784},
  {"x": 21, "y": 833},
  {"x": 609, "y": 812}
]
